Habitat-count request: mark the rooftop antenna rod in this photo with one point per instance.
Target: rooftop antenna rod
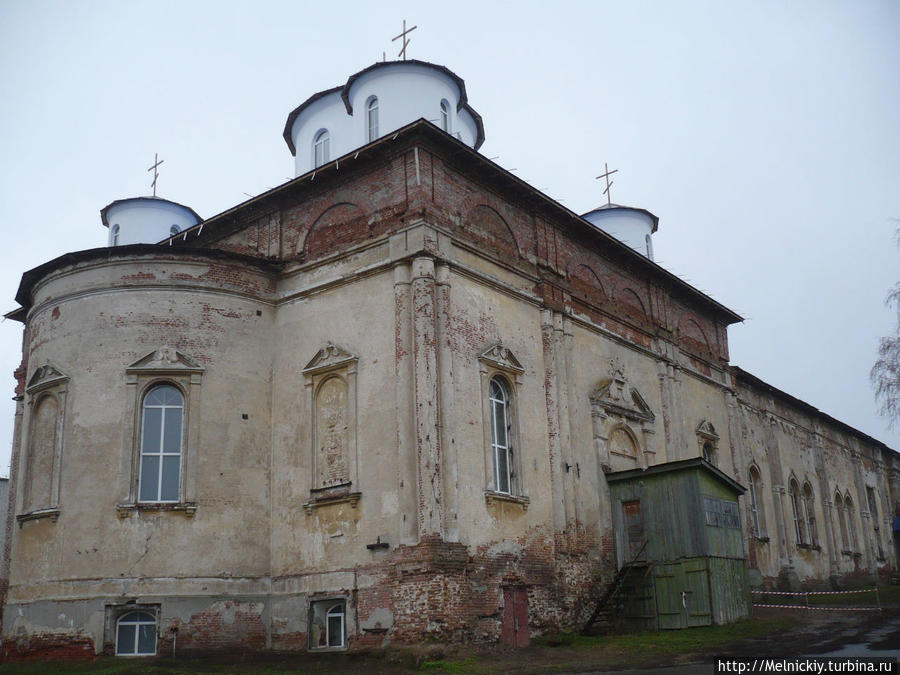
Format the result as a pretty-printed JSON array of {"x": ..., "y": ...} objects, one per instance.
[
  {"x": 156, "y": 162},
  {"x": 405, "y": 43},
  {"x": 607, "y": 173}
]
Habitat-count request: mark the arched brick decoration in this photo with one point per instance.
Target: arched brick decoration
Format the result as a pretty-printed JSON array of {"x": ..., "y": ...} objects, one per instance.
[
  {"x": 339, "y": 226},
  {"x": 491, "y": 231},
  {"x": 585, "y": 281},
  {"x": 631, "y": 303},
  {"x": 692, "y": 334}
]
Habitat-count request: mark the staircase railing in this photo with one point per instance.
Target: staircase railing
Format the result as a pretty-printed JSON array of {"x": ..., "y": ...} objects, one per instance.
[{"x": 614, "y": 587}]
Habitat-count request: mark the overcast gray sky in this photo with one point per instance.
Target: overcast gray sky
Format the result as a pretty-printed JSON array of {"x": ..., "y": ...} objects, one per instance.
[{"x": 764, "y": 135}]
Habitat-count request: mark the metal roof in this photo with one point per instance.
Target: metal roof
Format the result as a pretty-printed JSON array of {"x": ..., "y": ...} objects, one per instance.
[{"x": 679, "y": 465}]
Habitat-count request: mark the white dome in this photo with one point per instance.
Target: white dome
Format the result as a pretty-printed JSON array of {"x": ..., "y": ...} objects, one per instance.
[
  {"x": 145, "y": 220},
  {"x": 627, "y": 224},
  {"x": 373, "y": 103}
]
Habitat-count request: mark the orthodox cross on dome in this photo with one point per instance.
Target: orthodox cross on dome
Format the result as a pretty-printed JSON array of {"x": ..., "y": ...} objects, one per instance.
[
  {"x": 156, "y": 162},
  {"x": 606, "y": 174},
  {"x": 405, "y": 43}
]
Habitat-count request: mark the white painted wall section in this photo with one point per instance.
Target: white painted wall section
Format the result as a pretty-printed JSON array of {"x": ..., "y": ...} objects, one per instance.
[
  {"x": 145, "y": 220},
  {"x": 631, "y": 226},
  {"x": 406, "y": 91}
]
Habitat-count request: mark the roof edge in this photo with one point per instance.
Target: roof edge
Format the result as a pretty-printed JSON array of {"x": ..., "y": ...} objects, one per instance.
[
  {"x": 754, "y": 381},
  {"x": 35, "y": 274},
  {"x": 677, "y": 465}
]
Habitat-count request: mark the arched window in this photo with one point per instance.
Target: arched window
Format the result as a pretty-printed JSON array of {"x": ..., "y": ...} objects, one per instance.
[
  {"x": 162, "y": 423},
  {"x": 851, "y": 521},
  {"x": 174, "y": 230},
  {"x": 372, "y": 119},
  {"x": 114, "y": 238},
  {"x": 648, "y": 241},
  {"x": 501, "y": 446},
  {"x": 842, "y": 520},
  {"x": 872, "y": 500},
  {"x": 809, "y": 514},
  {"x": 757, "y": 516},
  {"x": 136, "y": 634},
  {"x": 794, "y": 492},
  {"x": 322, "y": 148},
  {"x": 445, "y": 115},
  {"x": 334, "y": 626}
]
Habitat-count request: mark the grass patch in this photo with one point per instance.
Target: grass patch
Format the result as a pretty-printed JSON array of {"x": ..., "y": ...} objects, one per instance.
[
  {"x": 888, "y": 596},
  {"x": 444, "y": 666},
  {"x": 650, "y": 645}
]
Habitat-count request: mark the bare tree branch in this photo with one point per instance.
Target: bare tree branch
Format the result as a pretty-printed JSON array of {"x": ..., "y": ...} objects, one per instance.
[{"x": 885, "y": 374}]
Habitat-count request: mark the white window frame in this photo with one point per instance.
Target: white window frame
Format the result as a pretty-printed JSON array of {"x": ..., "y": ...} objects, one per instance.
[
  {"x": 137, "y": 624},
  {"x": 342, "y": 614},
  {"x": 499, "y": 399},
  {"x": 160, "y": 452},
  {"x": 321, "y": 148},
  {"x": 372, "y": 119},
  {"x": 164, "y": 365},
  {"x": 498, "y": 363},
  {"x": 114, "y": 235},
  {"x": 445, "y": 116}
]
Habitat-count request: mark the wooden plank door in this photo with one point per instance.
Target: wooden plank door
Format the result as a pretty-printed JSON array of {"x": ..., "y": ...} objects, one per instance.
[
  {"x": 514, "y": 624},
  {"x": 696, "y": 586},
  {"x": 669, "y": 582}
]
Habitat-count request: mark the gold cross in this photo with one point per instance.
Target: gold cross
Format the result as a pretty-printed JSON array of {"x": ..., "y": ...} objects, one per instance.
[
  {"x": 607, "y": 173},
  {"x": 156, "y": 162},
  {"x": 402, "y": 52}
]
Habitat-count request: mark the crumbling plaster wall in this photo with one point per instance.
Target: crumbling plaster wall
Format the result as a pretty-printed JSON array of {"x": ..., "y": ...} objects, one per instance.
[
  {"x": 785, "y": 442},
  {"x": 93, "y": 323}
]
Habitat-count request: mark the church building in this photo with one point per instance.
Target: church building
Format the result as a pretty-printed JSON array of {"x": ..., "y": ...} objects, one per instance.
[{"x": 403, "y": 396}]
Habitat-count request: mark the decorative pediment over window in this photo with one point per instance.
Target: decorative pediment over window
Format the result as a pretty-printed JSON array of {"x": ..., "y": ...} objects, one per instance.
[
  {"x": 622, "y": 423},
  {"x": 615, "y": 396},
  {"x": 707, "y": 431},
  {"x": 502, "y": 358},
  {"x": 331, "y": 385},
  {"x": 165, "y": 360},
  {"x": 46, "y": 376},
  {"x": 708, "y": 441},
  {"x": 330, "y": 357}
]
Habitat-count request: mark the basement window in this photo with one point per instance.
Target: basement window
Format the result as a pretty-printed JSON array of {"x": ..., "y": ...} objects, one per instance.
[
  {"x": 136, "y": 634},
  {"x": 327, "y": 624}
]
